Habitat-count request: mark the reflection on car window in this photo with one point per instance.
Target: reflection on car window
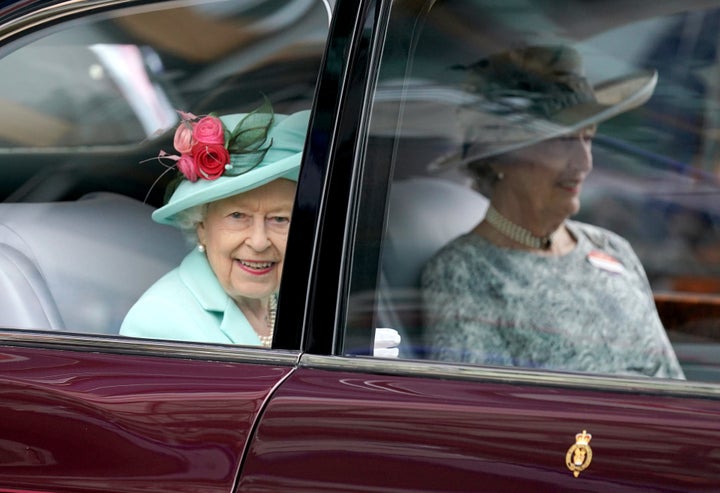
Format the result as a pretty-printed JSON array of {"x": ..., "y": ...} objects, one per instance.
[
  {"x": 123, "y": 76},
  {"x": 551, "y": 189},
  {"x": 90, "y": 104}
]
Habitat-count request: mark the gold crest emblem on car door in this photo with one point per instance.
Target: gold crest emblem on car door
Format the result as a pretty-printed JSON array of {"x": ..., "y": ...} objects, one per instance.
[{"x": 579, "y": 455}]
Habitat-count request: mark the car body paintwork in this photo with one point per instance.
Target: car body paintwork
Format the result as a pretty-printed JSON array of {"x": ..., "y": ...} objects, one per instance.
[
  {"x": 80, "y": 421},
  {"x": 404, "y": 433},
  {"x": 98, "y": 414}
]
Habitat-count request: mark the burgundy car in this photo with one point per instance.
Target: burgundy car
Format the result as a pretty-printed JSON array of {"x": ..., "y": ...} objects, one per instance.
[{"x": 88, "y": 96}]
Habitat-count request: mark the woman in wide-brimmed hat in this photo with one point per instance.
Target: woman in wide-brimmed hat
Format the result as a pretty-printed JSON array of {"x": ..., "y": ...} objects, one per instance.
[
  {"x": 527, "y": 286},
  {"x": 234, "y": 199}
]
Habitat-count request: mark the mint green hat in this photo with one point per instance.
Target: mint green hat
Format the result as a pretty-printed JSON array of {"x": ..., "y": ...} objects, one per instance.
[{"x": 280, "y": 154}]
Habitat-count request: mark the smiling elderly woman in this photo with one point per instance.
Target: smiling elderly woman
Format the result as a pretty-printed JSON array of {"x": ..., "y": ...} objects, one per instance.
[
  {"x": 234, "y": 199},
  {"x": 527, "y": 286}
]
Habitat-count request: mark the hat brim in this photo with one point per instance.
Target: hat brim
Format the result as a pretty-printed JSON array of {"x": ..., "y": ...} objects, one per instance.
[
  {"x": 494, "y": 134},
  {"x": 189, "y": 194}
]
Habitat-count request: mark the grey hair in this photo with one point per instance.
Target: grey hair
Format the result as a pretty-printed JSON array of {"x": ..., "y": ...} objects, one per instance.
[
  {"x": 483, "y": 175},
  {"x": 189, "y": 219}
]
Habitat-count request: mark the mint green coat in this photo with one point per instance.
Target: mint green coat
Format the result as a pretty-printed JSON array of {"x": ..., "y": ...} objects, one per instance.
[{"x": 189, "y": 304}]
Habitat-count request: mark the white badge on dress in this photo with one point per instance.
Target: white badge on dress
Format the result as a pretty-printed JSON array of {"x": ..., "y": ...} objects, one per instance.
[{"x": 606, "y": 262}]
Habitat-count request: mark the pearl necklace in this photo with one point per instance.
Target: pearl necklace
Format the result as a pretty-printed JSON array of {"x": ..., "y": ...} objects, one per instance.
[
  {"x": 515, "y": 232},
  {"x": 267, "y": 340}
]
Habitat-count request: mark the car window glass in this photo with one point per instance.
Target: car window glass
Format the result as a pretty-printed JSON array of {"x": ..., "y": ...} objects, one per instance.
[
  {"x": 623, "y": 151},
  {"x": 89, "y": 105}
]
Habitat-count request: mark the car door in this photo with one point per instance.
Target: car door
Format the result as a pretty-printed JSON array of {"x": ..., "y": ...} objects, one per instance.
[
  {"x": 89, "y": 98},
  {"x": 350, "y": 421},
  {"x": 77, "y": 417}
]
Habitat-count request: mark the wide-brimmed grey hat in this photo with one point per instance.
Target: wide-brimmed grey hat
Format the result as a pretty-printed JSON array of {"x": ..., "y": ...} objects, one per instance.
[
  {"x": 279, "y": 155},
  {"x": 528, "y": 95}
]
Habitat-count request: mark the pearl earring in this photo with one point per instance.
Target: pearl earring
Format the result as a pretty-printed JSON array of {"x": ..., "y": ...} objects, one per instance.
[
  {"x": 500, "y": 175},
  {"x": 201, "y": 248}
]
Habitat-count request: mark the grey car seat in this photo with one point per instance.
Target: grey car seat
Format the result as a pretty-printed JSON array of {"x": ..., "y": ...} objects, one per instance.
[
  {"x": 424, "y": 215},
  {"x": 79, "y": 266}
]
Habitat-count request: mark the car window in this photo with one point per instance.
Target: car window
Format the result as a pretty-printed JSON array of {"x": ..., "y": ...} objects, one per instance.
[
  {"x": 89, "y": 106},
  {"x": 540, "y": 188}
]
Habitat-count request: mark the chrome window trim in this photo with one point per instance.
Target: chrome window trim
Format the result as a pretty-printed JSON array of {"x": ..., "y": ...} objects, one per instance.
[
  {"x": 114, "y": 345},
  {"x": 329, "y": 8},
  {"x": 72, "y": 7},
  {"x": 55, "y": 12},
  {"x": 512, "y": 376}
]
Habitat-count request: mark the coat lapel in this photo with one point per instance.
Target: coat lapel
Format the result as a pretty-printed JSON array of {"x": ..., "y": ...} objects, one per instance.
[
  {"x": 197, "y": 275},
  {"x": 236, "y": 327}
]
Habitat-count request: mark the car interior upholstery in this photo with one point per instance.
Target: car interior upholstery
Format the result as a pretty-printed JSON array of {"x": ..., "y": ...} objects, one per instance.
[
  {"x": 79, "y": 266},
  {"x": 425, "y": 213}
]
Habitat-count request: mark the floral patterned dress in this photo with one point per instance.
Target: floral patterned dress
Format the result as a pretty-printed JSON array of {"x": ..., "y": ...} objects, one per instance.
[{"x": 590, "y": 310}]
